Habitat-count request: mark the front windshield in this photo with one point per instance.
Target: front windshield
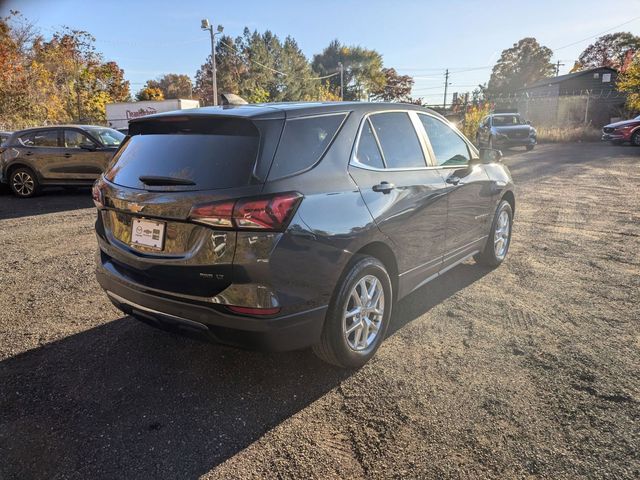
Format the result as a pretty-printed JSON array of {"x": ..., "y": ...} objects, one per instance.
[
  {"x": 506, "y": 120},
  {"x": 108, "y": 136},
  {"x": 637, "y": 118}
]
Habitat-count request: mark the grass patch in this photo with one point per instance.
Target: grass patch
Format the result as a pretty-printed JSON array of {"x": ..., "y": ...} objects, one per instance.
[{"x": 579, "y": 133}]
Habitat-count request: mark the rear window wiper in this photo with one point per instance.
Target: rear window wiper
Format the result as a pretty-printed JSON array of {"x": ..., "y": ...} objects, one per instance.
[{"x": 155, "y": 181}]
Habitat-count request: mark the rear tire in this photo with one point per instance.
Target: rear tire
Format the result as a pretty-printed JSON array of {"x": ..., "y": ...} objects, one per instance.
[
  {"x": 499, "y": 240},
  {"x": 529, "y": 147},
  {"x": 24, "y": 183},
  {"x": 635, "y": 138},
  {"x": 349, "y": 339}
]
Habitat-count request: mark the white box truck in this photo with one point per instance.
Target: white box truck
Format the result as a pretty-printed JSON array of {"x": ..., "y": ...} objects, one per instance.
[{"x": 119, "y": 114}]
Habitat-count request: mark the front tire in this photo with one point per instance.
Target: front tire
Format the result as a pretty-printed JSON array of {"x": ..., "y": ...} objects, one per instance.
[
  {"x": 358, "y": 315},
  {"x": 497, "y": 246},
  {"x": 635, "y": 138},
  {"x": 529, "y": 147},
  {"x": 24, "y": 183}
]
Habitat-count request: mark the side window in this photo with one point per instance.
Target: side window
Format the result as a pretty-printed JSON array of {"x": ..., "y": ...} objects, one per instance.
[
  {"x": 487, "y": 121},
  {"x": 44, "y": 138},
  {"x": 303, "y": 142},
  {"x": 368, "y": 152},
  {"x": 448, "y": 147},
  {"x": 26, "y": 140},
  {"x": 398, "y": 140},
  {"x": 75, "y": 139}
]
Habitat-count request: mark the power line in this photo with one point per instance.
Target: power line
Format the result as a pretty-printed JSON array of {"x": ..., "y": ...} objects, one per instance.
[{"x": 597, "y": 34}]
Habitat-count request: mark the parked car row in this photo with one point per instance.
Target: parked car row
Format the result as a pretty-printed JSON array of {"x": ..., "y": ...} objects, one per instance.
[{"x": 67, "y": 155}]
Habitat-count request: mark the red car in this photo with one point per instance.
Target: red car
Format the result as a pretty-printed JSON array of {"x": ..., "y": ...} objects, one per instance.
[{"x": 625, "y": 131}]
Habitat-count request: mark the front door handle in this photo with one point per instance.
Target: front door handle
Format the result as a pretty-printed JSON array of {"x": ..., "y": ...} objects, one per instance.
[
  {"x": 453, "y": 180},
  {"x": 384, "y": 187},
  {"x": 28, "y": 154},
  {"x": 68, "y": 155}
]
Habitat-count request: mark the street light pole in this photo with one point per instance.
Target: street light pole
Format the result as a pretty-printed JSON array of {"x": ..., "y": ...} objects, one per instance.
[
  {"x": 205, "y": 25},
  {"x": 341, "y": 81}
]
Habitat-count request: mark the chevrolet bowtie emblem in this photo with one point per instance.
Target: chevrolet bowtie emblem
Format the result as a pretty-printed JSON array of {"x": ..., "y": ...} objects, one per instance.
[{"x": 136, "y": 207}]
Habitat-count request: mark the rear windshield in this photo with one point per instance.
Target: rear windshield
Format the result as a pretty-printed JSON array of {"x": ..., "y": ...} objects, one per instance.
[{"x": 203, "y": 154}]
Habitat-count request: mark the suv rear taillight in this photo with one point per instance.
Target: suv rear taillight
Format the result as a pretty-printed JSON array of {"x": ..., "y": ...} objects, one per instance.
[
  {"x": 271, "y": 213},
  {"x": 97, "y": 195}
]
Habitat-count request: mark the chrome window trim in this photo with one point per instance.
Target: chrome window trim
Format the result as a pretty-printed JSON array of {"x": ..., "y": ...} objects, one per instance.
[{"x": 355, "y": 163}]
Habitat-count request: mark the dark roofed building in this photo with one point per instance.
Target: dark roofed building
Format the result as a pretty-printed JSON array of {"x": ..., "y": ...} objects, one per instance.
[{"x": 589, "y": 96}]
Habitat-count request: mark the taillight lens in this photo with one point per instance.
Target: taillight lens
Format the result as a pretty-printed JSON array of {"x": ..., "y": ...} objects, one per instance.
[
  {"x": 271, "y": 213},
  {"x": 97, "y": 195},
  {"x": 214, "y": 214}
]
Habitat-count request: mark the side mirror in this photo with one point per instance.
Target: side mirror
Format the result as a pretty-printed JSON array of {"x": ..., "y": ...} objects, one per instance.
[
  {"x": 490, "y": 155},
  {"x": 528, "y": 122}
]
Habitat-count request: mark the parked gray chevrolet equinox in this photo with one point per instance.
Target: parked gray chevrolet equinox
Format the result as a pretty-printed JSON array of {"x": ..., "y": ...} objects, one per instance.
[{"x": 284, "y": 226}]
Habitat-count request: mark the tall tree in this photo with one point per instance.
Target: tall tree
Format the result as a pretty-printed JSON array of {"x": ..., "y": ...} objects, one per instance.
[
  {"x": 397, "y": 88},
  {"x": 608, "y": 51},
  {"x": 173, "y": 85},
  {"x": 362, "y": 69},
  {"x": 524, "y": 63}
]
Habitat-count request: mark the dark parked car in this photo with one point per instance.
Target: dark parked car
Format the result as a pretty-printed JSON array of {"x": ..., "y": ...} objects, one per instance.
[
  {"x": 4, "y": 136},
  {"x": 503, "y": 130},
  {"x": 625, "y": 131},
  {"x": 285, "y": 226},
  {"x": 68, "y": 155}
]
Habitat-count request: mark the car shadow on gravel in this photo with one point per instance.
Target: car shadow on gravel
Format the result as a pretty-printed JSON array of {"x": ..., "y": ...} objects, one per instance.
[
  {"x": 124, "y": 400},
  {"x": 50, "y": 201}
]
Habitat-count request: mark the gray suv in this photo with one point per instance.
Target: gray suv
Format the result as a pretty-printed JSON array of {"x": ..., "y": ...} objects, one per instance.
[
  {"x": 285, "y": 226},
  {"x": 68, "y": 155},
  {"x": 504, "y": 130}
]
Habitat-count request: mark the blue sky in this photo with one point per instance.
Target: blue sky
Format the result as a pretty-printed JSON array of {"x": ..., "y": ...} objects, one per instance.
[{"x": 419, "y": 38}]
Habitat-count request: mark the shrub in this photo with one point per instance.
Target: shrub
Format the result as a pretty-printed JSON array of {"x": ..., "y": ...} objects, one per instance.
[{"x": 576, "y": 133}]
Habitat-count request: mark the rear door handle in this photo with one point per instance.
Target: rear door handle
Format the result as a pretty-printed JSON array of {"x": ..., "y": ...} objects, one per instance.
[
  {"x": 453, "y": 180},
  {"x": 384, "y": 187},
  {"x": 28, "y": 154},
  {"x": 68, "y": 155}
]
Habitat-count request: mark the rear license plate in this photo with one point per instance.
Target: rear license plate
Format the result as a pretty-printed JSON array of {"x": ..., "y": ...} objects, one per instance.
[{"x": 148, "y": 233}]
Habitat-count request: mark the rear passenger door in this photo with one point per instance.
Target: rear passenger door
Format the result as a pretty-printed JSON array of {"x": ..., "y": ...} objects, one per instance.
[
  {"x": 42, "y": 151},
  {"x": 469, "y": 190},
  {"x": 404, "y": 195}
]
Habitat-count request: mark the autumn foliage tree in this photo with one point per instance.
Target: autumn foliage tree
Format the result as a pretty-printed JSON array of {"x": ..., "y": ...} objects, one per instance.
[
  {"x": 629, "y": 83},
  {"x": 397, "y": 88},
  {"x": 56, "y": 80},
  {"x": 608, "y": 51}
]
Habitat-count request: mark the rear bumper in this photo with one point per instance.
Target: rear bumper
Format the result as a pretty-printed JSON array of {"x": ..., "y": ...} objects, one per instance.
[{"x": 289, "y": 332}]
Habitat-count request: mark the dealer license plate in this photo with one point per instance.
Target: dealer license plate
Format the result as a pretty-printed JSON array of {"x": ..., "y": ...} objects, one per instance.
[{"x": 148, "y": 233}]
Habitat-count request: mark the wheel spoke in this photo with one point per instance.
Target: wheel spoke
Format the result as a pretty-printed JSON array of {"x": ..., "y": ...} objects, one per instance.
[
  {"x": 353, "y": 326},
  {"x": 353, "y": 312}
]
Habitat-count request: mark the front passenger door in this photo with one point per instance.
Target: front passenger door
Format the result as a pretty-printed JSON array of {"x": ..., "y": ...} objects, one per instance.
[
  {"x": 84, "y": 160},
  {"x": 469, "y": 190}
]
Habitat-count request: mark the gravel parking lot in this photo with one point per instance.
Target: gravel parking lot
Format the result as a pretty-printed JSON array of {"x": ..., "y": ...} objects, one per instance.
[{"x": 530, "y": 370}]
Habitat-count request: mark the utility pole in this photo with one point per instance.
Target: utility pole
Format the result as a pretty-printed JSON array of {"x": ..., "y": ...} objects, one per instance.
[
  {"x": 446, "y": 85},
  {"x": 205, "y": 25},
  {"x": 558, "y": 65},
  {"x": 341, "y": 81}
]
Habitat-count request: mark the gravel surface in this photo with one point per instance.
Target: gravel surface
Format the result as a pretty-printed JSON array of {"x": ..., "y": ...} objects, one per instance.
[{"x": 527, "y": 371}]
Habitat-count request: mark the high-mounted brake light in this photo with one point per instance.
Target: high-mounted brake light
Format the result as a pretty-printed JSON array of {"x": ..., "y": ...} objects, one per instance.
[{"x": 271, "y": 213}]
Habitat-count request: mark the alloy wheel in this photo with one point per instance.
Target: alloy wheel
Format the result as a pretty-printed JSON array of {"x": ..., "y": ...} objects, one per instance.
[
  {"x": 363, "y": 313},
  {"x": 501, "y": 235},
  {"x": 23, "y": 184}
]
